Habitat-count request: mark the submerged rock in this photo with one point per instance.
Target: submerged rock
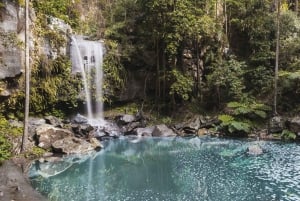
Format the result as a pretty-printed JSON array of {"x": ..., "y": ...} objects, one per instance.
[
  {"x": 163, "y": 131},
  {"x": 255, "y": 150}
]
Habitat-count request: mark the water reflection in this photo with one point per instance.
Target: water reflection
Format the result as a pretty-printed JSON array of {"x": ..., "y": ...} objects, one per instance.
[{"x": 175, "y": 169}]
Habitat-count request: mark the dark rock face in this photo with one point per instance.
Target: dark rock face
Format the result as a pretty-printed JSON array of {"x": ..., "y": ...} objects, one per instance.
[
  {"x": 163, "y": 131},
  {"x": 14, "y": 186},
  {"x": 48, "y": 134},
  {"x": 11, "y": 31},
  {"x": 276, "y": 124},
  {"x": 294, "y": 125}
]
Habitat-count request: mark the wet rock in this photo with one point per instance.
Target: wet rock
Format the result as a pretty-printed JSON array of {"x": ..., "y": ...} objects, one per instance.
[
  {"x": 96, "y": 144},
  {"x": 125, "y": 119},
  {"x": 294, "y": 125},
  {"x": 147, "y": 132},
  {"x": 54, "y": 121},
  {"x": 255, "y": 150},
  {"x": 47, "y": 134},
  {"x": 72, "y": 145},
  {"x": 202, "y": 131},
  {"x": 82, "y": 130},
  {"x": 163, "y": 131},
  {"x": 276, "y": 124},
  {"x": 79, "y": 119}
]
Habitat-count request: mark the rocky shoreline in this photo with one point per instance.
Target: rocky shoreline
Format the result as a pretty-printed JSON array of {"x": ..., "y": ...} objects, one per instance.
[{"x": 77, "y": 136}]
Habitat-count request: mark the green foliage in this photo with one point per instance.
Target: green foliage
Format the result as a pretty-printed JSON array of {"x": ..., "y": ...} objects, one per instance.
[
  {"x": 115, "y": 74},
  {"x": 249, "y": 109},
  {"x": 226, "y": 79},
  {"x": 243, "y": 117},
  {"x": 181, "y": 86},
  {"x": 53, "y": 90},
  {"x": 232, "y": 125},
  {"x": 288, "y": 135},
  {"x": 7, "y": 132},
  {"x": 62, "y": 9},
  {"x": 35, "y": 152}
]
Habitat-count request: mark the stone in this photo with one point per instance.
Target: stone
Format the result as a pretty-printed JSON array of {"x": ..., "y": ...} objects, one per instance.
[
  {"x": 255, "y": 150},
  {"x": 202, "y": 131},
  {"x": 294, "y": 125},
  {"x": 81, "y": 130},
  {"x": 72, "y": 145},
  {"x": 276, "y": 124},
  {"x": 144, "y": 132},
  {"x": 53, "y": 121},
  {"x": 163, "y": 131},
  {"x": 96, "y": 143},
  {"x": 15, "y": 186},
  {"x": 79, "y": 119},
  {"x": 126, "y": 119},
  {"x": 47, "y": 134}
]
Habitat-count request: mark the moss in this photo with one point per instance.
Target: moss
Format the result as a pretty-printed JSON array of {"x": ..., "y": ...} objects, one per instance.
[{"x": 7, "y": 133}]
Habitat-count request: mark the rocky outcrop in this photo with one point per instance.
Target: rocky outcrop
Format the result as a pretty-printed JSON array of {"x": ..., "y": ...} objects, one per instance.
[
  {"x": 196, "y": 125},
  {"x": 12, "y": 35},
  {"x": 73, "y": 145},
  {"x": 48, "y": 134},
  {"x": 128, "y": 123}
]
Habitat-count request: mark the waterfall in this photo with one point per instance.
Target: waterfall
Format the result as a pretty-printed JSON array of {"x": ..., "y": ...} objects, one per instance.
[{"x": 87, "y": 58}]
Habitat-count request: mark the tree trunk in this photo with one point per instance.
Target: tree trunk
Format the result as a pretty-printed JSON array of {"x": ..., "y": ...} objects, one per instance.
[
  {"x": 27, "y": 78},
  {"x": 277, "y": 57}
]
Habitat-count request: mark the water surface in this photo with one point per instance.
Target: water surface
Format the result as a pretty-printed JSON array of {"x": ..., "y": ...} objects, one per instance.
[{"x": 174, "y": 169}]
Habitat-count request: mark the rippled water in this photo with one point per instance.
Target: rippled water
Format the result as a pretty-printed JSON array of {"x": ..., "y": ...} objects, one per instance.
[{"x": 175, "y": 169}]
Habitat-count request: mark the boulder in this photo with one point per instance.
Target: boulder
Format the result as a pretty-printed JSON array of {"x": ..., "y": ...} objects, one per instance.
[
  {"x": 79, "y": 119},
  {"x": 72, "y": 145},
  {"x": 294, "y": 125},
  {"x": 125, "y": 119},
  {"x": 276, "y": 124},
  {"x": 144, "y": 131},
  {"x": 82, "y": 130},
  {"x": 47, "y": 134},
  {"x": 163, "y": 131},
  {"x": 53, "y": 121},
  {"x": 255, "y": 150},
  {"x": 96, "y": 143}
]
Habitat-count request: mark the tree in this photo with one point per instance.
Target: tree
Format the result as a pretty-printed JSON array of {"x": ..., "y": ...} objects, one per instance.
[
  {"x": 277, "y": 57},
  {"x": 27, "y": 78}
]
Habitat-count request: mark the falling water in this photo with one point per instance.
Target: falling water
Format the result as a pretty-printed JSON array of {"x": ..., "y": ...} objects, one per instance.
[{"x": 87, "y": 58}]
